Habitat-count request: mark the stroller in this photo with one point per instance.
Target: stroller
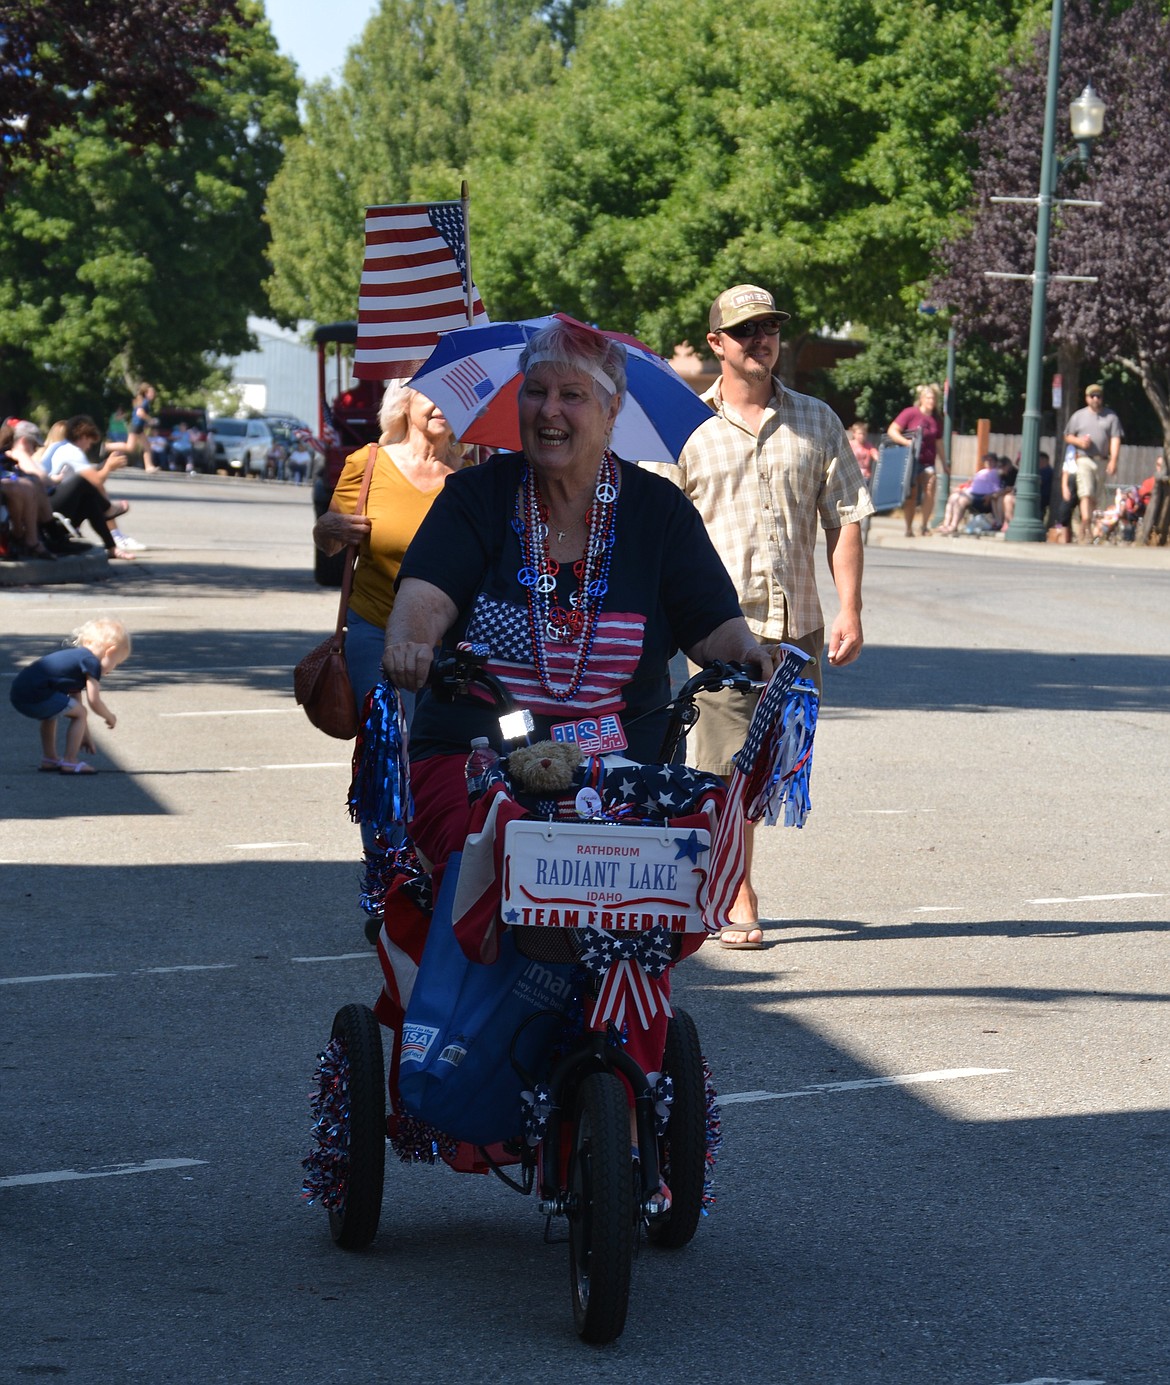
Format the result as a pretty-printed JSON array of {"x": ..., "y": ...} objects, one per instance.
[{"x": 1119, "y": 522}]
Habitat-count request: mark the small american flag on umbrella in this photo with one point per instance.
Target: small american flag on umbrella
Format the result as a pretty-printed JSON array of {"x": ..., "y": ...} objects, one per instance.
[{"x": 414, "y": 286}]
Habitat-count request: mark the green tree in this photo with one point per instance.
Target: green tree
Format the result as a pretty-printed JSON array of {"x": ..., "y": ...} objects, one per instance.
[
  {"x": 883, "y": 379},
  {"x": 400, "y": 127},
  {"x": 118, "y": 263},
  {"x": 821, "y": 150}
]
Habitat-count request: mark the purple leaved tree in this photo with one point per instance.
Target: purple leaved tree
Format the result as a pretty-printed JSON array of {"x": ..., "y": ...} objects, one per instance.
[
  {"x": 1125, "y": 317},
  {"x": 139, "y": 64}
]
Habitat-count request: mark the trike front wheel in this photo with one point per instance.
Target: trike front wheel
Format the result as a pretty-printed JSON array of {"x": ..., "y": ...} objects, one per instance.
[{"x": 601, "y": 1209}]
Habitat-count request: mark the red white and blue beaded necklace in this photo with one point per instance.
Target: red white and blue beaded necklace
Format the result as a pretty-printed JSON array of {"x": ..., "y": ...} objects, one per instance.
[{"x": 548, "y": 622}]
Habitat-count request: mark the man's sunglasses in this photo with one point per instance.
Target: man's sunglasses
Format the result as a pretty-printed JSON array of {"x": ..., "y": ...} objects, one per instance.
[{"x": 745, "y": 331}]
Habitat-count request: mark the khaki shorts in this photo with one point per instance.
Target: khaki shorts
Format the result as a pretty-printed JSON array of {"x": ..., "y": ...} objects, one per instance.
[
  {"x": 724, "y": 716},
  {"x": 1086, "y": 477}
]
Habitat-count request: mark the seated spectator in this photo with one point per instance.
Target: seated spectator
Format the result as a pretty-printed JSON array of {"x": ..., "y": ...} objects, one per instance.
[
  {"x": 23, "y": 498},
  {"x": 975, "y": 498},
  {"x": 183, "y": 447},
  {"x": 300, "y": 459},
  {"x": 160, "y": 449},
  {"x": 80, "y": 490},
  {"x": 274, "y": 461},
  {"x": 1003, "y": 505}
]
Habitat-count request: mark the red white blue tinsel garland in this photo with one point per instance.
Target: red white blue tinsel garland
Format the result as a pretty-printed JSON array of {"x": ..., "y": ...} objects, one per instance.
[
  {"x": 785, "y": 787},
  {"x": 714, "y": 1132},
  {"x": 379, "y": 792},
  {"x": 415, "y": 1142},
  {"x": 327, "y": 1166}
]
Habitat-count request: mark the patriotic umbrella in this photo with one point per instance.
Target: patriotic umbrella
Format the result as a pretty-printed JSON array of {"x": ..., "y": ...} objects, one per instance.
[{"x": 473, "y": 376}]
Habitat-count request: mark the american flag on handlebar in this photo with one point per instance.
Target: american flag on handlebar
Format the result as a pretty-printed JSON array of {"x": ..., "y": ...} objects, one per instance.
[{"x": 771, "y": 773}]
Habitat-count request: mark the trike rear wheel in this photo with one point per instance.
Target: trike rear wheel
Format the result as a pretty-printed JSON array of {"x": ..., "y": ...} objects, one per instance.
[
  {"x": 601, "y": 1209},
  {"x": 354, "y": 1224},
  {"x": 682, "y": 1150}
]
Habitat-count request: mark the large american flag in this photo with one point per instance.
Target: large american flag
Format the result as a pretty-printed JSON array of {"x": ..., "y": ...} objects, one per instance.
[
  {"x": 414, "y": 287},
  {"x": 613, "y": 659}
]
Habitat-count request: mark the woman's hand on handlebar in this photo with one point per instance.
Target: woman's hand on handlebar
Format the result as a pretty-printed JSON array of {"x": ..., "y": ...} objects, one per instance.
[{"x": 408, "y": 664}]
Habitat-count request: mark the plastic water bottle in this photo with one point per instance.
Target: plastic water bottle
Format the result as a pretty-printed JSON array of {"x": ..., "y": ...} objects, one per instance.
[{"x": 480, "y": 764}]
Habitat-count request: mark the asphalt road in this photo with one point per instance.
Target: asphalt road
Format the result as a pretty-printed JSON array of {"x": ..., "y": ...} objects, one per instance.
[{"x": 945, "y": 1080}]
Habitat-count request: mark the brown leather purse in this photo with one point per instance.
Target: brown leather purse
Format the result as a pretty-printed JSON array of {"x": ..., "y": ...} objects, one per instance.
[{"x": 321, "y": 679}]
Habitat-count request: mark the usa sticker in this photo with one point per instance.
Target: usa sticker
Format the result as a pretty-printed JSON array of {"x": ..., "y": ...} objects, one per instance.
[
  {"x": 593, "y": 735},
  {"x": 416, "y": 1042}
]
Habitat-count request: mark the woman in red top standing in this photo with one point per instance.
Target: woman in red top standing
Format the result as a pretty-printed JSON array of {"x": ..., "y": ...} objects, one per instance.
[{"x": 925, "y": 422}]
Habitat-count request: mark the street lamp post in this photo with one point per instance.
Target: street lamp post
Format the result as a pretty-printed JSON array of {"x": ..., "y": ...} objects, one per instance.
[
  {"x": 943, "y": 479},
  {"x": 1088, "y": 113}
]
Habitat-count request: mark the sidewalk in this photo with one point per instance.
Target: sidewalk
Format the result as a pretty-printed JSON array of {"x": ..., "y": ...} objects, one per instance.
[
  {"x": 889, "y": 531},
  {"x": 93, "y": 566}
]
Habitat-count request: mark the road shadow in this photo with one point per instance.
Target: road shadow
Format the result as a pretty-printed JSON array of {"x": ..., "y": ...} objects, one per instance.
[
  {"x": 869, "y": 1236},
  {"x": 938, "y": 679}
]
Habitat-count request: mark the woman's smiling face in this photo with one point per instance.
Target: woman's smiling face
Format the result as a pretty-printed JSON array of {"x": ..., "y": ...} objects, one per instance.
[{"x": 564, "y": 427}]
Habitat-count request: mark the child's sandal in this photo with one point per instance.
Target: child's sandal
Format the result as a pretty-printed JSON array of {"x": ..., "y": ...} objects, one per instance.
[{"x": 76, "y": 767}]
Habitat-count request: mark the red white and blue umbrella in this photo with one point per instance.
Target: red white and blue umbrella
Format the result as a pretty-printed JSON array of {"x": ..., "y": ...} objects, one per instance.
[{"x": 473, "y": 375}]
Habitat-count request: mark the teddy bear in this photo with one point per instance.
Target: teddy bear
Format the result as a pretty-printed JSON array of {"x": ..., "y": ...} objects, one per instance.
[{"x": 544, "y": 768}]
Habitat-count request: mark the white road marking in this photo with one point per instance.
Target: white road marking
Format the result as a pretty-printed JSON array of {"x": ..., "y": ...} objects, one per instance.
[
  {"x": 242, "y": 712},
  {"x": 1093, "y": 898},
  {"x": 338, "y": 957},
  {"x": 938, "y": 909},
  {"x": 60, "y": 976},
  {"x": 252, "y": 769},
  {"x": 824, "y": 1088},
  {"x": 265, "y": 846},
  {"x": 24, "y": 1180},
  {"x": 1053, "y": 1380},
  {"x": 203, "y": 966}
]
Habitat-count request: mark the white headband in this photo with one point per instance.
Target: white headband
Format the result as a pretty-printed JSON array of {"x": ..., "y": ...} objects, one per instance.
[{"x": 598, "y": 374}]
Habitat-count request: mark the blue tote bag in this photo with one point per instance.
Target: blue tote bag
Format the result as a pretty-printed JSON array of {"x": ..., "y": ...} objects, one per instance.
[{"x": 465, "y": 1024}]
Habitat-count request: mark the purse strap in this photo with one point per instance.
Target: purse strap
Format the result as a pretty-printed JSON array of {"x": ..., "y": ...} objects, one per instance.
[{"x": 352, "y": 551}]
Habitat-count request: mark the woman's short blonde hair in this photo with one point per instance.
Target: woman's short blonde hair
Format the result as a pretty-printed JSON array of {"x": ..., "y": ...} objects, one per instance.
[
  {"x": 393, "y": 411},
  {"x": 393, "y": 418},
  {"x": 102, "y": 633}
]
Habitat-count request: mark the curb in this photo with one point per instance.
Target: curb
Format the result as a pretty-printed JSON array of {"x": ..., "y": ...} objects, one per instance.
[
  {"x": 886, "y": 533},
  {"x": 69, "y": 567}
]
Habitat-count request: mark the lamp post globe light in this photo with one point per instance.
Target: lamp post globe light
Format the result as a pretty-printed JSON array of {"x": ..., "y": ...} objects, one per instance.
[{"x": 1087, "y": 114}]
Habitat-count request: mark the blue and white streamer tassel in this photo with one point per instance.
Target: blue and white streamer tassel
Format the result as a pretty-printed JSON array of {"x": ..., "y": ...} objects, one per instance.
[
  {"x": 786, "y": 787},
  {"x": 379, "y": 793}
]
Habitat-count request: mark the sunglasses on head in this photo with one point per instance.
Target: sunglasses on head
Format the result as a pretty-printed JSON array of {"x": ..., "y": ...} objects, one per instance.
[{"x": 744, "y": 331}]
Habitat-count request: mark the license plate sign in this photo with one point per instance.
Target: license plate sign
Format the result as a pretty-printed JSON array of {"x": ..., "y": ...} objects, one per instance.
[{"x": 625, "y": 879}]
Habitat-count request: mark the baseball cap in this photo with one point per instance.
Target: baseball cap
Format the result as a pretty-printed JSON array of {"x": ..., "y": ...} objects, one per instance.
[
  {"x": 1095, "y": 389},
  {"x": 25, "y": 429},
  {"x": 742, "y": 303}
]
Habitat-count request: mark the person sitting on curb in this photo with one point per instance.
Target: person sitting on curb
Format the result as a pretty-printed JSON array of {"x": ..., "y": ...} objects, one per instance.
[{"x": 975, "y": 498}]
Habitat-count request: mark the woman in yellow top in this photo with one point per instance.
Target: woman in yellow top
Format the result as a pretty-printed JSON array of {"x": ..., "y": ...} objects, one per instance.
[{"x": 417, "y": 452}]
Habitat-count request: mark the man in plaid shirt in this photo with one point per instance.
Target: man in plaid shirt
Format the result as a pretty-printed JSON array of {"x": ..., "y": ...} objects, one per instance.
[{"x": 761, "y": 472}]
